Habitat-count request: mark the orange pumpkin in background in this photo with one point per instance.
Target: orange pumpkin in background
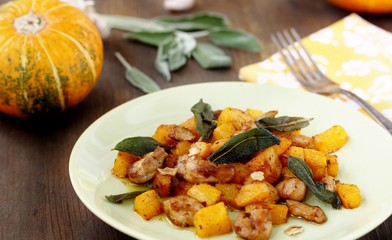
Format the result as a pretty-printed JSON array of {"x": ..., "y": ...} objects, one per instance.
[
  {"x": 51, "y": 55},
  {"x": 365, "y": 6}
]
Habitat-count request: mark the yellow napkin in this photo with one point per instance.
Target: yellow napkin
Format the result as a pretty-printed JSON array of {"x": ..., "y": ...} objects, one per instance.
[{"x": 352, "y": 52}]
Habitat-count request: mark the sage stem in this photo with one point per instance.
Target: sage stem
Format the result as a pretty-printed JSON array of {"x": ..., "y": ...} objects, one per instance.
[{"x": 123, "y": 61}]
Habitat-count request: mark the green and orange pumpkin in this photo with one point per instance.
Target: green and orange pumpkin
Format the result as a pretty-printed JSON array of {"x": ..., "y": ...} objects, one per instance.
[{"x": 51, "y": 55}]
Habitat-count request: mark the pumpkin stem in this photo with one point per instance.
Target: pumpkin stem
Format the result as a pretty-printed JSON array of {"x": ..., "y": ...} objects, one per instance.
[{"x": 29, "y": 23}]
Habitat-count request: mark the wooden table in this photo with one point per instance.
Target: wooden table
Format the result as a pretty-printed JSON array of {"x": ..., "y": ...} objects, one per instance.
[{"x": 37, "y": 200}]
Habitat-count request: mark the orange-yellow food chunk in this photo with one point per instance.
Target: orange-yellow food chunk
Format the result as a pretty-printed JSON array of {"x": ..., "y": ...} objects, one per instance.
[
  {"x": 212, "y": 221},
  {"x": 349, "y": 194},
  {"x": 147, "y": 204},
  {"x": 331, "y": 139}
]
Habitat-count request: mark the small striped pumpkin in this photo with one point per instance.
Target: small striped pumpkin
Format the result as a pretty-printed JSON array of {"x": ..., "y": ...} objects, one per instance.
[
  {"x": 376, "y": 7},
  {"x": 51, "y": 55}
]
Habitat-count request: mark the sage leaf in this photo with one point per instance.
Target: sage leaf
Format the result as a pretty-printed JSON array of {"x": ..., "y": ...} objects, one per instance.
[
  {"x": 161, "y": 60},
  {"x": 235, "y": 39},
  {"x": 205, "y": 124},
  {"x": 283, "y": 123},
  {"x": 209, "y": 56},
  {"x": 187, "y": 41},
  {"x": 180, "y": 50},
  {"x": 149, "y": 37},
  {"x": 303, "y": 172},
  {"x": 173, "y": 53},
  {"x": 138, "y": 146},
  {"x": 137, "y": 78},
  {"x": 176, "y": 58},
  {"x": 118, "y": 198},
  {"x": 133, "y": 24},
  {"x": 243, "y": 145},
  {"x": 192, "y": 22}
]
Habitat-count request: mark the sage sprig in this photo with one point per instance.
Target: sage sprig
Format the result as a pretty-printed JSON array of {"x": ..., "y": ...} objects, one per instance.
[
  {"x": 283, "y": 123},
  {"x": 203, "y": 56},
  {"x": 176, "y": 38},
  {"x": 118, "y": 198},
  {"x": 233, "y": 38},
  {"x": 132, "y": 24},
  {"x": 193, "y": 22},
  {"x": 138, "y": 146},
  {"x": 173, "y": 53},
  {"x": 137, "y": 78},
  {"x": 205, "y": 124},
  {"x": 243, "y": 145},
  {"x": 151, "y": 38},
  {"x": 303, "y": 172}
]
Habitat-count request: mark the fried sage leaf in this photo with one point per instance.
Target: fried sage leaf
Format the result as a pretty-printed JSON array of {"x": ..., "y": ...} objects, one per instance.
[
  {"x": 209, "y": 56},
  {"x": 283, "y": 124},
  {"x": 235, "y": 39},
  {"x": 118, "y": 198},
  {"x": 138, "y": 146},
  {"x": 191, "y": 22},
  {"x": 205, "y": 124},
  {"x": 303, "y": 172},
  {"x": 243, "y": 145}
]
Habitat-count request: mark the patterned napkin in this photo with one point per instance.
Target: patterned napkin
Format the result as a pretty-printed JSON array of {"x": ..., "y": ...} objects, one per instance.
[{"x": 352, "y": 52}]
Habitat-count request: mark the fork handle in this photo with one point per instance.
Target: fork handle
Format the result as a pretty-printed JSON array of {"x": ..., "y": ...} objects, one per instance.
[{"x": 376, "y": 115}]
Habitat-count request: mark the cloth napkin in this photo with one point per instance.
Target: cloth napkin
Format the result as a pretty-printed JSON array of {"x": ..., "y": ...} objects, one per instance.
[{"x": 352, "y": 52}]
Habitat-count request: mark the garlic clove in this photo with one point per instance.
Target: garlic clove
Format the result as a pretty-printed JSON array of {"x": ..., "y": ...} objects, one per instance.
[{"x": 178, "y": 5}]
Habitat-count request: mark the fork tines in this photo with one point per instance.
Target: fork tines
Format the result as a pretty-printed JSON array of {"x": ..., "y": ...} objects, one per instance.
[{"x": 296, "y": 56}]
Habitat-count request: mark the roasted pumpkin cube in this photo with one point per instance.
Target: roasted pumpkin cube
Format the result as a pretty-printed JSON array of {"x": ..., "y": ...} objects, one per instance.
[
  {"x": 212, "y": 221},
  {"x": 331, "y": 139},
  {"x": 229, "y": 192},
  {"x": 267, "y": 162},
  {"x": 332, "y": 165},
  {"x": 279, "y": 212},
  {"x": 122, "y": 162},
  {"x": 218, "y": 144},
  {"x": 162, "y": 134},
  {"x": 223, "y": 131},
  {"x": 349, "y": 194},
  {"x": 181, "y": 148},
  {"x": 282, "y": 146},
  {"x": 273, "y": 192},
  {"x": 253, "y": 193},
  {"x": 236, "y": 117},
  {"x": 162, "y": 183},
  {"x": 190, "y": 124},
  {"x": 147, "y": 204},
  {"x": 317, "y": 162},
  {"x": 203, "y": 149},
  {"x": 293, "y": 151},
  {"x": 255, "y": 114},
  {"x": 273, "y": 196},
  {"x": 205, "y": 193}
]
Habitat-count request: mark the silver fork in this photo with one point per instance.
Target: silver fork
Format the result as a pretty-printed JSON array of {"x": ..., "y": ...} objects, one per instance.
[{"x": 309, "y": 75}]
